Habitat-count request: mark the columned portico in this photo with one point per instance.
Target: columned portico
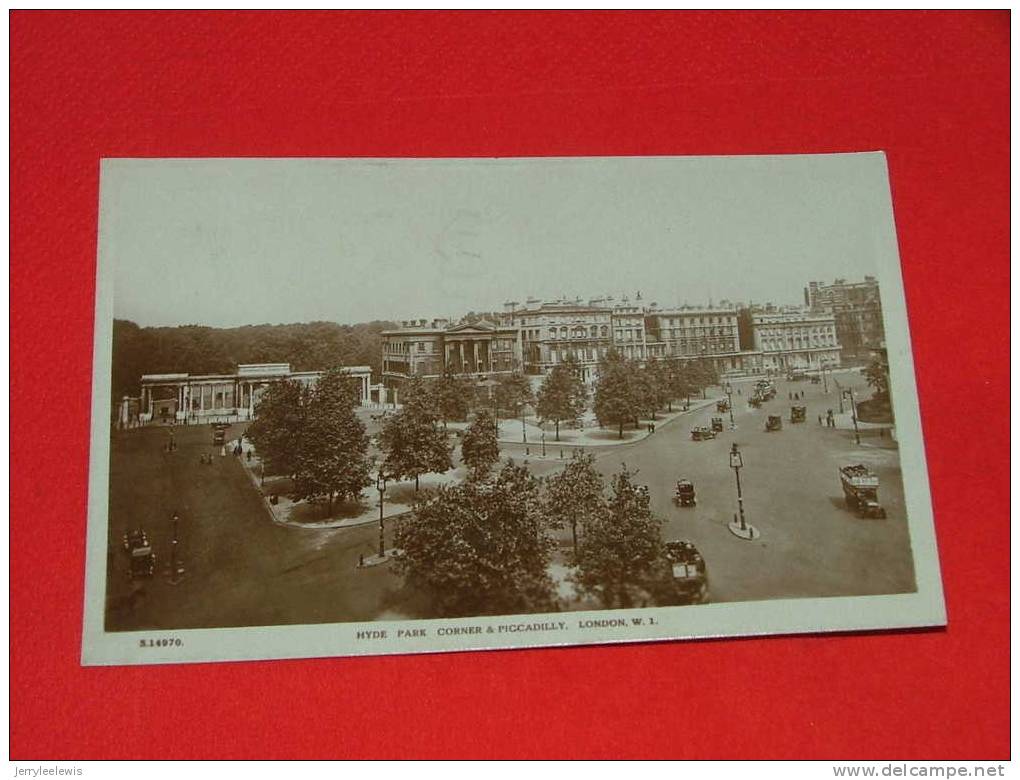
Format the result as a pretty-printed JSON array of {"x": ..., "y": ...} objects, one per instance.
[{"x": 226, "y": 397}]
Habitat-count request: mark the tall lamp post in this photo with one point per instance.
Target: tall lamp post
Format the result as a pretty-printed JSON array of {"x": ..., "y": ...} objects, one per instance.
[
  {"x": 176, "y": 568},
  {"x": 380, "y": 485},
  {"x": 853, "y": 414},
  {"x": 825, "y": 381},
  {"x": 729, "y": 395},
  {"x": 740, "y": 527}
]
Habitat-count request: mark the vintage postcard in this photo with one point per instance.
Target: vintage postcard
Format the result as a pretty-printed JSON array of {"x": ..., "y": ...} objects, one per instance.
[{"x": 365, "y": 406}]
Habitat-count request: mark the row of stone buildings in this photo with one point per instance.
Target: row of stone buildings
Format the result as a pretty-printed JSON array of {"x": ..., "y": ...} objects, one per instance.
[
  {"x": 738, "y": 339},
  {"x": 839, "y": 321}
]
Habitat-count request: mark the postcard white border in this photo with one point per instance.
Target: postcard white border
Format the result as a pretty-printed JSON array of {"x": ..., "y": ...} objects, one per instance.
[{"x": 924, "y": 608}]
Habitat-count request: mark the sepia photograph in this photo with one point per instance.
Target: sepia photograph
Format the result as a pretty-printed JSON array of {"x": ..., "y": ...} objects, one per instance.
[{"x": 368, "y": 406}]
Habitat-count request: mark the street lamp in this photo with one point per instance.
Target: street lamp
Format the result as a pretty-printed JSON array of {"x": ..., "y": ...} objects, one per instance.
[
  {"x": 380, "y": 485},
  {"x": 853, "y": 413},
  {"x": 740, "y": 528},
  {"x": 729, "y": 395}
]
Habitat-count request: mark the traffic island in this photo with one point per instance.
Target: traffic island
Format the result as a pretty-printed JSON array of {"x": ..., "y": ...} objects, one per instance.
[
  {"x": 374, "y": 560},
  {"x": 747, "y": 532}
]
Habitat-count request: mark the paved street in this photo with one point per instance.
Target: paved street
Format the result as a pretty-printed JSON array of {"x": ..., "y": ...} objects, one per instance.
[
  {"x": 810, "y": 544},
  {"x": 241, "y": 569}
]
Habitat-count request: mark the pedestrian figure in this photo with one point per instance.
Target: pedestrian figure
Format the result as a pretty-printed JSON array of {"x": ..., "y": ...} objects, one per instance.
[
  {"x": 819, "y": 419},
  {"x": 249, "y": 456}
]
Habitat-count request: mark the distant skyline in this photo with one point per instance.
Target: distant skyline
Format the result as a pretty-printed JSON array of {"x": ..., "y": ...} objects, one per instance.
[{"x": 244, "y": 242}]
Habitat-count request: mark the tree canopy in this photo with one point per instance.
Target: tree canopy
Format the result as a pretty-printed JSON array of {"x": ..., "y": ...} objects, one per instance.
[
  {"x": 479, "y": 447},
  {"x": 277, "y": 428},
  {"x": 620, "y": 554},
  {"x": 451, "y": 397},
  {"x": 616, "y": 394},
  {"x": 332, "y": 456},
  {"x": 562, "y": 395},
  {"x": 412, "y": 440},
  {"x": 514, "y": 393},
  {"x": 311, "y": 434},
  {"x": 197, "y": 349},
  {"x": 480, "y": 548},
  {"x": 574, "y": 495}
]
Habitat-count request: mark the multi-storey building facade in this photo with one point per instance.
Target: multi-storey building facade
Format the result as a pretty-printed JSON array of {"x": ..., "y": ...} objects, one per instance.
[
  {"x": 857, "y": 308},
  {"x": 553, "y": 332},
  {"x": 429, "y": 349},
  {"x": 787, "y": 339},
  {"x": 697, "y": 333}
]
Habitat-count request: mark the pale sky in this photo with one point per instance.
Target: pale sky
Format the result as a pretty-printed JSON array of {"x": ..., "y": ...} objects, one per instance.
[{"x": 233, "y": 242}]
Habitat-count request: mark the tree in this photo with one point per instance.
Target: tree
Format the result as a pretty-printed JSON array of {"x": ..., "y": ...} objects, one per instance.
[
  {"x": 704, "y": 374},
  {"x": 620, "y": 556},
  {"x": 277, "y": 428},
  {"x": 877, "y": 374},
  {"x": 561, "y": 398},
  {"x": 514, "y": 393},
  {"x": 451, "y": 395},
  {"x": 678, "y": 383},
  {"x": 650, "y": 389},
  {"x": 332, "y": 457},
  {"x": 616, "y": 399},
  {"x": 412, "y": 440},
  {"x": 480, "y": 547},
  {"x": 574, "y": 495},
  {"x": 479, "y": 447}
]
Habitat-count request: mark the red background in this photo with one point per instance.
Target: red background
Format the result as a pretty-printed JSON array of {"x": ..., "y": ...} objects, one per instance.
[{"x": 932, "y": 89}]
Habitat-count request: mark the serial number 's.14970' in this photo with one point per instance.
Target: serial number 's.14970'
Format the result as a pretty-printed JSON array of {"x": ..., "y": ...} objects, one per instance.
[{"x": 172, "y": 642}]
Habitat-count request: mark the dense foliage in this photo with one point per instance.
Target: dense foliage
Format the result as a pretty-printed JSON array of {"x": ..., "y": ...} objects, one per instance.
[
  {"x": 617, "y": 394},
  {"x": 332, "y": 455},
  {"x": 480, "y": 548},
  {"x": 412, "y": 440},
  {"x": 479, "y": 448},
  {"x": 574, "y": 495},
  {"x": 196, "y": 349},
  {"x": 620, "y": 556},
  {"x": 311, "y": 434},
  {"x": 562, "y": 396}
]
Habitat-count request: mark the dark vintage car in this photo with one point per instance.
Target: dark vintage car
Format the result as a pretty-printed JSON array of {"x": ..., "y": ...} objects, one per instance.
[
  {"x": 141, "y": 558},
  {"x": 717, "y": 424},
  {"x": 219, "y": 434},
  {"x": 690, "y": 575},
  {"x": 798, "y": 414},
  {"x": 774, "y": 423},
  {"x": 685, "y": 495},
  {"x": 700, "y": 433}
]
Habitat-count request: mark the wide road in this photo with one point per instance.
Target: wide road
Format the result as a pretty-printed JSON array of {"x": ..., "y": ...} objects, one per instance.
[
  {"x": 241, "y": 568},
  {"x": 810, "y": 543}
]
